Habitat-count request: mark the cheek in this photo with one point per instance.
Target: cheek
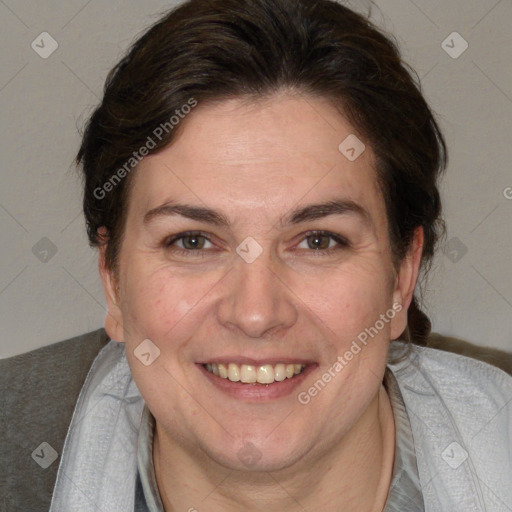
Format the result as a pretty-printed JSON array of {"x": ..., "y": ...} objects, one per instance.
[
  {"x": 349, "y": 299},
  {"x": 158, "y": 302}
]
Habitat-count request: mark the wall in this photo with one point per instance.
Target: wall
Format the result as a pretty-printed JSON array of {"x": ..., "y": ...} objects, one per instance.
[{"x": 49, "y": 285}]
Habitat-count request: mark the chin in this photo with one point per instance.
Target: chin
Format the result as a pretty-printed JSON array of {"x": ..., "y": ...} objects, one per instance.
[{"x": 257, "y": 453}]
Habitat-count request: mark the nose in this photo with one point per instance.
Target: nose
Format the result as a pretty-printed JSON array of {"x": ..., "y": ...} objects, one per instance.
[{"x": 256, "y": 299}]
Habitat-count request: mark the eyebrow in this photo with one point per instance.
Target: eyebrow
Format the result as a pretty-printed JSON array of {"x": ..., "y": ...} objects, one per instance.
[{"x": 302, "y": 214}]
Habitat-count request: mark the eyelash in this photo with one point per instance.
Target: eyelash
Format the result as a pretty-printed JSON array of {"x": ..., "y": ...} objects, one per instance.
[{"x": 341, "y": 241}]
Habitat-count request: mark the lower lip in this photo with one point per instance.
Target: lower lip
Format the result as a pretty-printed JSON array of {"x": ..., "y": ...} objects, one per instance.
[{"x": 257, "y": 392}]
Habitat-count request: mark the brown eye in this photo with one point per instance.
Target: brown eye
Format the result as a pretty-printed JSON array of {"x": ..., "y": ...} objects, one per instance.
[
  {"x": 193, "y": 242},
  {"x": 321, "y": 242},
  {"x": 318, "y": 242},
  {"x": 187, "y": 242}
]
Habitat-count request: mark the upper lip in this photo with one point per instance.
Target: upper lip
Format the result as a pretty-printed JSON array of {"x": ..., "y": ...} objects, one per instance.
[{"x": 257, "y": 362}]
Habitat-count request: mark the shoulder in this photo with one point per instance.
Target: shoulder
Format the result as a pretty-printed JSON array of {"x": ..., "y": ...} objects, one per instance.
[
  {"x": 496, "y": 357},
  {"x": 46, "y": 372},
  {"x": 77, "y": 350},
  {"x": 39, "y": 390},
  {"x": 461, "y": 396},
  {"x": 458, "y": 369},
  {"x": 460, "y": 411}
]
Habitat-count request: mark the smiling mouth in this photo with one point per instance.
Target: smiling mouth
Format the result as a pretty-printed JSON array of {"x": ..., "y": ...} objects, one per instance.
[{"x": 249, "y": 374}]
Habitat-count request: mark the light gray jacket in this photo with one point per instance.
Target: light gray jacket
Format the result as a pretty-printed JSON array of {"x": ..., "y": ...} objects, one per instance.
[{"x": 460, "y": 411}]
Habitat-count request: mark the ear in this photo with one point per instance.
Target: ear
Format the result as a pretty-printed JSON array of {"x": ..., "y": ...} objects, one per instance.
[
  {"x": 406, "y": 283},
  {"x": 114, "y": 318}
]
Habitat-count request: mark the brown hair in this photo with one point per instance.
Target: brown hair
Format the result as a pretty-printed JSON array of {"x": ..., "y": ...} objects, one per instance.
[{"x": 210, "y": 50}]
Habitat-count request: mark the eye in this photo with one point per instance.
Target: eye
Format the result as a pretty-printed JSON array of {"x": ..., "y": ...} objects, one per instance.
[
  {"x": 321, "y": 242},
  {"x": 187, "y": 243}
]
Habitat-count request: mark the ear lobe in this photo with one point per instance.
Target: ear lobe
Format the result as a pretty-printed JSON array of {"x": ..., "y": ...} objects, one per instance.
[
  {"x": 406, "y": 282},
  {"x": 114, "y": 317}
]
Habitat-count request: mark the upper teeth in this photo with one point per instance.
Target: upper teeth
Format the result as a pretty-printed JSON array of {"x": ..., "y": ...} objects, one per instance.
[{"x": 264, "y": 374}]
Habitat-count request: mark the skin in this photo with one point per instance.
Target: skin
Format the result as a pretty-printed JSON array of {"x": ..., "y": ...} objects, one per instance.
[{"x": 256, "y": 162}]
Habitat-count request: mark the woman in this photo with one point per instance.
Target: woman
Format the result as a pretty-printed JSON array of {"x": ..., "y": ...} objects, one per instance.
[{"x": 261, "y": 182}]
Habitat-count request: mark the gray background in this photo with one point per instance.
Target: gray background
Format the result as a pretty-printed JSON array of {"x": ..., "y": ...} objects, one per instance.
[{"x": 49, "y": 286}]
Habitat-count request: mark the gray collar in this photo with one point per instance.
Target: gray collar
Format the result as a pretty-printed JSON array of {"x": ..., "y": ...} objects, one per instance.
[{"x": 405, "y": 490}]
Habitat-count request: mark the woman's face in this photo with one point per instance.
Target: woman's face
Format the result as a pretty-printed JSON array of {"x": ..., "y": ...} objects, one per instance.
[{"x": 254, "y": 286}]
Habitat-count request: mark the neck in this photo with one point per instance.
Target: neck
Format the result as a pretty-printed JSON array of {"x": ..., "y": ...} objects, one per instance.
[{"x": 354, "y": 475}]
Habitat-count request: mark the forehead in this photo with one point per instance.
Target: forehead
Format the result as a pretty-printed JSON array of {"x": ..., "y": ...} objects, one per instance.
[{"x": 271, "y": 154}]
